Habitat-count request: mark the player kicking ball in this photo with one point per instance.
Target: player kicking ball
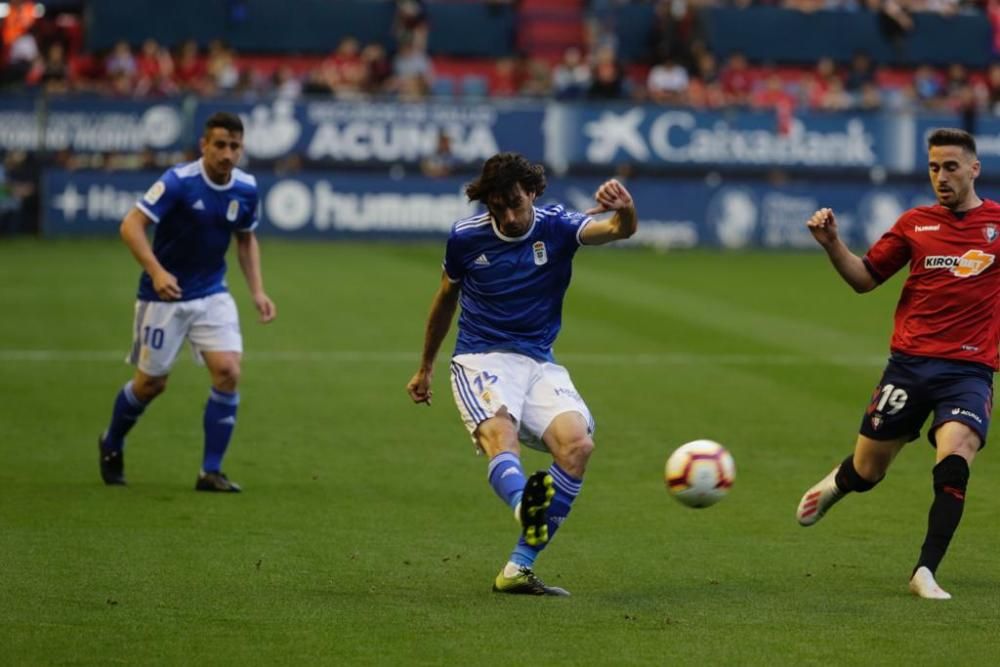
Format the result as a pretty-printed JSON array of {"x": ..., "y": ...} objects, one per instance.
[
  {"x": 943, "y": 349},
  {"x": 509, "y": 269}
]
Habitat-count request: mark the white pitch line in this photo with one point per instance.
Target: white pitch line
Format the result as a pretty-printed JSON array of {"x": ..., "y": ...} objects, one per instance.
[{"x": 356, "y": 356}]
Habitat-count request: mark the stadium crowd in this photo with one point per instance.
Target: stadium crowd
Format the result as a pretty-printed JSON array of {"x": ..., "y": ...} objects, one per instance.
[{"x": 46, "y": 54}]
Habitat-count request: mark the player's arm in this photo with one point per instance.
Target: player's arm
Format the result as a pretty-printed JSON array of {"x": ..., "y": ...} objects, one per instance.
[
  {"x": 443, "y": 309},
  {"x": 823, "y": 226},
  {"x": 248, "y": 253},
  {"x": 133, "y": 233},
  {"x": 611, "y": 196}
]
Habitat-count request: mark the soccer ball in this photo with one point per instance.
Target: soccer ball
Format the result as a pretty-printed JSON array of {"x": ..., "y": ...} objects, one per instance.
[{"x": 699, "y": 473}]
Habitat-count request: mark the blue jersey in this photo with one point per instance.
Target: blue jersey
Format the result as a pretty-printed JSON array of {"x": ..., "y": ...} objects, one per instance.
[
  {"x": 195, "y": 219},
  {"x": 513, "y": 288}
]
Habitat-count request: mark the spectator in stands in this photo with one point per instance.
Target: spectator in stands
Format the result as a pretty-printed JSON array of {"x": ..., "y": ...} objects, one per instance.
[
  {"x": 22, "y": 56},
  {"x": 571, "y": 76},
  {"x": 155, "y": 70},
  {"x": 861, "y": 72},
  {"x": 378, "y": 68},
  {"x": 993, "y": 88},
  {"x": 667, "y": 82},
  {"x": 344, "y": 71},
  {"x": 894, "y": 21},
  {"x": 190, "y": 71},
  {"x": 536, "y": 77},
  {"x": 505, "y": 81},
  {"x": 223, "y": 73},
  {"x": 411, "y": 71},
  {"x": 928, "y": 86},
  {"x": 121, "y": 61},
  {"x": 286, "y": 84},
  {"x": 869, "y": 97},
  {"x": 442, "y": 161},
  {"x": 676, "y": 32},
  {"x": 736, "y": 80},
  {"x": 55, "y": 72},
  {"x": 410, "y": 24},
  {"x": 18, "y": 22},
  {"x": 607, "y": 80}
]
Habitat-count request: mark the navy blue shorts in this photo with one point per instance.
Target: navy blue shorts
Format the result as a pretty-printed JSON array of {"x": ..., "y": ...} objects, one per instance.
[{"x": 914, "y": 387}]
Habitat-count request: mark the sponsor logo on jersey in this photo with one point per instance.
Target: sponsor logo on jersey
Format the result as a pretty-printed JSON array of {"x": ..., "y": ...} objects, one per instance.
[
  {"x": 990, "y": 233},
  {"x": 481, "y": 260},
  {"x": 198, "y": 205},
  {"x": 967, "y": 413},
  {"x": 926, "y": 228},
  {"x": 233, "y": 210},
  {"x": 541, "y": 257},
  {"x": 972, "y": 263},
  {"x": 154, "y": 193},
  {"x": 876, "y": 421}
]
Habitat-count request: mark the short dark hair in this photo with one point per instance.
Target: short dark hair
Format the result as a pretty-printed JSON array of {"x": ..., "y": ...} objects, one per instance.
[
  {"x": 950, "y": 136},
  {"x": 225, "y": 120},
  {"x": 501, "y": 174}
]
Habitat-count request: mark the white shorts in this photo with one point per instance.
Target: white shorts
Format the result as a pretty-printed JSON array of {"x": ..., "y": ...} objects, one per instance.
[
  {"x": 161, "y": 327},
  {"x": 534, "y": 392}
]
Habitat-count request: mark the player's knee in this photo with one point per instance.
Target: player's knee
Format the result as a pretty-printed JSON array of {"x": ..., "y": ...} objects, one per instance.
[
  {"x": 952, "y": 471},
  {"x": 226, "y": 377},
  {"x": 147, "y": 387},
  {"x": 575, "y": 454}
]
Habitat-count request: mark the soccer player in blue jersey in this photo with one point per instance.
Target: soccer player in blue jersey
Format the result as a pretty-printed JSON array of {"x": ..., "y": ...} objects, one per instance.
[
  {"x": 509, "y": 268},
  {"x": 196, "y": 208}
]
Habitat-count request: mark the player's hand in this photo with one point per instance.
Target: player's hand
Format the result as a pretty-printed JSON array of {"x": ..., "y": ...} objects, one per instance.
[
  {"x": 419, "y": 387},
  {"x": 823, "y": 226},
  {"x": 165, "y": 285},
  {"x": 611, "y": 196},
  {"x": 268, "y": 311}
]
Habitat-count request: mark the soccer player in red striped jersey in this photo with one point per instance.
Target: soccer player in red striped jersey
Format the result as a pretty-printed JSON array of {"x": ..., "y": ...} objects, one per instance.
[{"x": 944, "y": 347}]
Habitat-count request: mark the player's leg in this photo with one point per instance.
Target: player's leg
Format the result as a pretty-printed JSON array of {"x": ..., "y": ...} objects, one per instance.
[
  {"x": 215, "y": 336},
  {"x": 957, "y": 445},
  {"x": 158, "y": 334},
  {"x": 859, "y": 472},
  {"x": 488, "y": 391},
  {"x": 219, "y": 420},
  {"x": 557, "y": 416},
  {"x": 897, "y": 409}
]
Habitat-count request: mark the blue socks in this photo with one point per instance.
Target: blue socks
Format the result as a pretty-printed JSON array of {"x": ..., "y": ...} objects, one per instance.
[
  {"x": 219, "y": 422},
  {"x": 507, "y": 477},
  {"x": 567, "y": 489},
  {"x": 126, "y": 412}
]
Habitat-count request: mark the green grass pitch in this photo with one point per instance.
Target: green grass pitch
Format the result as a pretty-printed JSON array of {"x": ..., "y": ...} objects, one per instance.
[{"x": 367, "y": 533}]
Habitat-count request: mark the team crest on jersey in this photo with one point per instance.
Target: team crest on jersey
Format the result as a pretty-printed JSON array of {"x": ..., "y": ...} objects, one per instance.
[
  {"x": 972, "y": 263},
  {"x": 541, "y": 256},
  {"x": 876, "y": 421},
  {"x": 990, "y": 232},
  {"x": 233, "y": 210},
  {"x": 154, "y": 193}
]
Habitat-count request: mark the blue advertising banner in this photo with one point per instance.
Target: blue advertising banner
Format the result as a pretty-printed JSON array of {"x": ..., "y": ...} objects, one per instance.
[
  {"x": 382, "y": 132},
  {"x": 91, "y": 125},
  {"x": 674, "y": 213},
  {"x": 661, "y": 136}
]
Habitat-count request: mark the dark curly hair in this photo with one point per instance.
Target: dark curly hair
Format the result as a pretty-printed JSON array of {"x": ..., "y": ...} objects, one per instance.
[{"x": 501, "y": 174}]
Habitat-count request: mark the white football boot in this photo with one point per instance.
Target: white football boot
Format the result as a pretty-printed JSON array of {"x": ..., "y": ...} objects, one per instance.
[
  {"x": 922, "y": 583},
  {"x": 819, "y": 499}
]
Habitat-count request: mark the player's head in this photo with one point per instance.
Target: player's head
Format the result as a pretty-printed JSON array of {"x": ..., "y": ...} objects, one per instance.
[
  {"x": 222, "y": 145},
  {"x": 508, "y": 186},
  {"x": 953, "y": 167}
]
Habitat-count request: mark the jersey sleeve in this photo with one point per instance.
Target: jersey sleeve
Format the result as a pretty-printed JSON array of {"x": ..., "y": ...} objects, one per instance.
[
  {"x": 571, "y": 223},
  {"x": 161, "y": 196},
  {"x": 252, "y": 218},
  {"x": 453, "y": 260},
  {"x": 889, "y": 254}
]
